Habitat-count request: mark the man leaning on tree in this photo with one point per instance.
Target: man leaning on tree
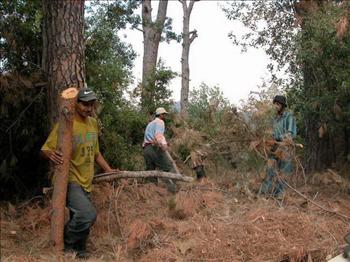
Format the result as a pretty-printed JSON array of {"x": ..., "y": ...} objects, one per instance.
[{"x": 85, "y": 152}]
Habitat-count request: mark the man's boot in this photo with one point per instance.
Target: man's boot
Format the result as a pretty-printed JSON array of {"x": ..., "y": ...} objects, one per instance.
[
  {"x": 69, "y": 244},
  {"x": 68, "y": 248},
  {"x": 80, "y": 248},
  {"x": 171, "y": 186},
  {"x": 200, "y": 172}
]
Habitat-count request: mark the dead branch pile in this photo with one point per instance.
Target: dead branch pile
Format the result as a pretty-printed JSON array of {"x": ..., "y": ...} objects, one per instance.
[{"x": 144, "y": 222}]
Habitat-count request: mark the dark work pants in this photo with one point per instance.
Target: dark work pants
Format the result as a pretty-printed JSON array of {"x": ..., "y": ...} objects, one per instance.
[
  {"x": 155, "y": 158},
  {"x": 82, "y": 215}
]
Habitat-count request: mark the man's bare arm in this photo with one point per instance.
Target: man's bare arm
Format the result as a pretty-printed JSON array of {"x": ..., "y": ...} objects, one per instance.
[{"x": 103, "y": 163}]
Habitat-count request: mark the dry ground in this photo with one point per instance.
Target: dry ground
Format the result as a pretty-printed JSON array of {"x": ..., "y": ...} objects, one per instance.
[{"x": 219, "y": 220}]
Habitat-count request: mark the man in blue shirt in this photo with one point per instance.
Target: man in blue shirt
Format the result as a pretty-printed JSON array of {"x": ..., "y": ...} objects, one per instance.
[
  {"x": 284, "y": 130},
  {"x": 155, "y": 146}
]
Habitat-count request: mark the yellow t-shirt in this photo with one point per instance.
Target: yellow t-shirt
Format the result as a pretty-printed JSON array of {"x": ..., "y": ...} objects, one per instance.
[{"x": 85, "y": 148}]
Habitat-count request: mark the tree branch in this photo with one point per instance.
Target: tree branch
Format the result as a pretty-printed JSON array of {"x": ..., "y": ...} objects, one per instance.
[
  {"x": 161, "y": 15},
  {"x": 184, "y": 6},
  {"x": 190, "y": 6},
  {"x": 193, "y": 35},
  {"x": 111, "y": 176},
  {"x": 138, "y": 29},
  {"x": 146, "y": 11}
]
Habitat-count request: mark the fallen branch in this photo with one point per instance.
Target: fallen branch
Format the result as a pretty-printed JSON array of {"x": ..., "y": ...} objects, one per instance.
[
  {"x": 311, "y": 201},
  {"x": 111, "y": 176}
]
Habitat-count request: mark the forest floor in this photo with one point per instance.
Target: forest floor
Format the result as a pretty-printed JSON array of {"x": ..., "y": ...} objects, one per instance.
[{"x": 221, "y": 219}]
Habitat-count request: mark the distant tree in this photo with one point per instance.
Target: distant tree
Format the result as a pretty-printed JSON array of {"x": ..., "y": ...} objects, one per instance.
[
  {"x": 187, "y": 39},
  {"x": 159, "y": 93},
  {"x": 109, "y": 60},
  {"x": 206, "y": 105},
  {"x": 151, "y": 37},
  {"x": 63, "y": 48}
]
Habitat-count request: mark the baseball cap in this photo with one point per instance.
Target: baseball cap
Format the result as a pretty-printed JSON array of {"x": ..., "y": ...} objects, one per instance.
[
  {"x": 280, "y": 99},
  {"x": 160, "y": 110},
  {"x": 86, "y": 95}
]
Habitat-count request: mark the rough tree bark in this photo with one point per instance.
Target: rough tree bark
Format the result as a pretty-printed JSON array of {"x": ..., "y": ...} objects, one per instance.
[
  {"x": 151, "y": 37},
  {"x": 188, "y": 38},
  {"x": 63, "y": 49},
  {"x": 64, "y": 144}
]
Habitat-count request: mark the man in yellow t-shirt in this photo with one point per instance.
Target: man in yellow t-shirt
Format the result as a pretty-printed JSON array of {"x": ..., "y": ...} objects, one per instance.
[{"x": 81, "y": 171}]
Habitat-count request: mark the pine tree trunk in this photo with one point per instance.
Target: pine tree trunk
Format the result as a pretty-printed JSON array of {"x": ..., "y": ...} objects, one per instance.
[
  {"x": 188, "y": 37},
  {"x": 151, "y": 36},
  {"x": 64, "y": 145},
  {"x": 63, "y": 49}
]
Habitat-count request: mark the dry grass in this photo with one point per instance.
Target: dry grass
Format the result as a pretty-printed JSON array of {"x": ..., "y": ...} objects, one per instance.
[{"x": 205, "y": 221}]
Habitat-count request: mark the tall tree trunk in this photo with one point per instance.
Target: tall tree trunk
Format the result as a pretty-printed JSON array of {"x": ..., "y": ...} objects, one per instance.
[
  {"x": 151, "y": 36},
  {"x": 63, "y": 48},
  {"x": 188, "y": 38}
]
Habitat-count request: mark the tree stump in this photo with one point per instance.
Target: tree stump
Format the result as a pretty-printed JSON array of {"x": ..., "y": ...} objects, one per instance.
[{"x": 64, "y": 145}]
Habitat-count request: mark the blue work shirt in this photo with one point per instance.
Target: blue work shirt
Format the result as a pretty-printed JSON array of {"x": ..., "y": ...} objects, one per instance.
[
  {"x": 155, "y": 132},
  {"x": 283, "y": 125}
]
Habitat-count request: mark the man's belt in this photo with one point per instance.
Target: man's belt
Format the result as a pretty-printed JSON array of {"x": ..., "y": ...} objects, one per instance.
[{"x": 147, "y": 144}]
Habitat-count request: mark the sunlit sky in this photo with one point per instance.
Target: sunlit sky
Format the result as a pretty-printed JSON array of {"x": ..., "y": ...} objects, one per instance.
[{"x": 213, "y": 60}]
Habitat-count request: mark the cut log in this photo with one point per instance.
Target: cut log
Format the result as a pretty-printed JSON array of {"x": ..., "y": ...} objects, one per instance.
[
  {"x": 111, "y": 176},
  {"x": 64, "y": 145}
]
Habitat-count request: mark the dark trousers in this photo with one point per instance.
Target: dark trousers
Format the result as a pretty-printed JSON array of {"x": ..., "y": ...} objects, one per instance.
[
  {"x": 155, "y": 158},
  {"x": 82, "y": 216}
]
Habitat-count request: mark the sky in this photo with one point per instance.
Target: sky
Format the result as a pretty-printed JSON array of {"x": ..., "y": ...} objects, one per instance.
[{"x": 213, "y": 59}]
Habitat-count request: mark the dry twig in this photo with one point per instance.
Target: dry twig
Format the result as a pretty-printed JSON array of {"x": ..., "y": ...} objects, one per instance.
[{"x": 311, "y": 201}]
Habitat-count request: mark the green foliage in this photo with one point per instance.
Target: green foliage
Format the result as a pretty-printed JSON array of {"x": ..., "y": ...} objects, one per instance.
[
  {"x": 304, "y": 42},
  {"x": 20, "y": 40},
  {"x": 199, "y": 110},
  {"x": 168, "y": 33},
  {"x": 122, "y": 136},
  {"x": 328, "y": 59},
  {"x": 23, "y": 121},
  {"x": 158, "y": 94},
  {"x": 271, "y": 25},
  {"x": 24, "y": 127},
  {"x": 109, "y": 63}
]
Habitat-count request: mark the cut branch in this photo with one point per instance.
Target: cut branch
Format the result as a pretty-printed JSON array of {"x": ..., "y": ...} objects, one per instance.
[
  {"x": 111, "y": 176},
  {"x": 64, "y": 145},
  {"x": 193, "y": 36}
]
